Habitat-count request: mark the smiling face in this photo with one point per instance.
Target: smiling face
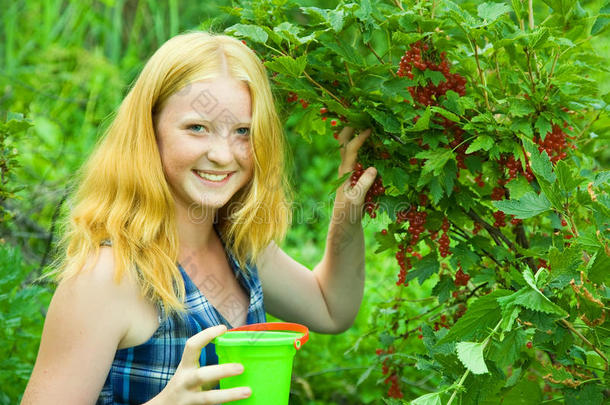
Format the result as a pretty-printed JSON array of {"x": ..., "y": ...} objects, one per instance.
[{"x": 203, "y": 134}]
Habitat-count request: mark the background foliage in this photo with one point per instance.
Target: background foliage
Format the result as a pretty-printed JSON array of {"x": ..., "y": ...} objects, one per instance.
[{"x": 65, "y": 66}]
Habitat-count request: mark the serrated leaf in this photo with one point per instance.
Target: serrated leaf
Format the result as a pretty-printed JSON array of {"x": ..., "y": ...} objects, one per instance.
[
  {"x": 564, "y": 266},
  {"x": 543, "y": 126},
  {"x": 482, "y": 315},
  {"x": 484, "y": 142},
  {"x": 388, "y": 121},
  {"x": 522, "y": 126},
  {"x": 530, "y": 205},
  {"x": 540, "y": 162},
  {"x": 252, "y": 32},
  {"x": 490, "y": 12},
  {"x": 433, "y": 398},
  {"x": 443, "y": 288},
  {"x": 435, "y": 159},
  {"x": 445, "y": 113},
  {"x": 520, "y": 107},
  {"x": 538, "y": 38},
  {"x": 434, "y": 76},
  {"x": 518, "y": 187},
  {"x": 422, "y": 123},
  {"x": 287, "y": 65},
  {"x": 531, "y": 298},
  {"x": 567, "y": 181},
  {"x": 602, "y": 21},
  {"x": 423, "y": 269},
  {"x": 471, "y": 356}
]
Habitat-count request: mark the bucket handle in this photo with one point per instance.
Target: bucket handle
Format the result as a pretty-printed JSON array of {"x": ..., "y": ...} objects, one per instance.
[{"x": 298, "y": 342}]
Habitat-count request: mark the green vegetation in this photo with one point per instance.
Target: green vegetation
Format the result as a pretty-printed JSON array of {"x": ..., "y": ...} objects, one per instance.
[{"x": 65, "y": 66}]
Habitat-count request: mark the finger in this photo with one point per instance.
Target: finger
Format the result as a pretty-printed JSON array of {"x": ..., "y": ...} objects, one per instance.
[
  {"x": 366, "y": 180},
  {"x": 222, "y": 396},
  {"x": 193, "y": 346},
  {"x": 208, "y": 376},
  {"x": 358, "y": 141},
  {"x": 349, "y": 155},
  {"x": 364, "y": 183},
  {"x": 345, "y": 135}
]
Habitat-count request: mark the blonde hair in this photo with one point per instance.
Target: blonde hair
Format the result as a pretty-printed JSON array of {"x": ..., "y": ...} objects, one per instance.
[{"x": 123, "y": 195}]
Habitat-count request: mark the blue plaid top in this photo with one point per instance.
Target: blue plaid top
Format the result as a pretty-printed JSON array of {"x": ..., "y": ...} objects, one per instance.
[{"x": 139, "y": 373}]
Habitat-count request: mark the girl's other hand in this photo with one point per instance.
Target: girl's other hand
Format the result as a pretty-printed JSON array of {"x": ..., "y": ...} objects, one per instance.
[
  {"x": 353, "y": 196},
  {"x": 192, "y": 384}
]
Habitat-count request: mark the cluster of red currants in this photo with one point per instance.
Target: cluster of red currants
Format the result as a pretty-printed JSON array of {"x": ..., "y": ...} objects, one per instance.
[
  {"x": 554, "y": 143},
  {"x": 377, "y": 189},
  {"x": 500, "y": 219},
  {"x": 442, "y": 323},
  {"x": 443, "y": 242},
  {"x": 515, "y": 167},
  {"x": 293, "y": 97},
  {"x": 405, "y": 265},
  {"x": 498, "y": 193},
  {"x": 429, "y": 94},
  {"x": 461, "y": 278},
  {"x": 417, "y": 220},
  {"x": 392, "y": 378}
]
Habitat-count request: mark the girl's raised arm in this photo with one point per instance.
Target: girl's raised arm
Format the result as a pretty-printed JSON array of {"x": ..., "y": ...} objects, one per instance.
[{"x": 328, "y": 298}]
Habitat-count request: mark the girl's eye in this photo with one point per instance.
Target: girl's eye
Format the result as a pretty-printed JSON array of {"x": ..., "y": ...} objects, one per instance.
[
  {"x": 244, "y": 131},
  {"x": 197, "y": 128}
]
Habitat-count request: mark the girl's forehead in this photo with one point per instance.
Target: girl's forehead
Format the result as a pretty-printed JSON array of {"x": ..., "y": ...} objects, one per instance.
[{"x": 208, "y": 99}]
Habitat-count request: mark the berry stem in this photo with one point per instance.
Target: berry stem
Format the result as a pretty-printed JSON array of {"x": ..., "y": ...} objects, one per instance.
[
  {"x": 530, "y": 14},
  {"x": 481, "y": 77},
  {"x": 379, "y": 58},
  {"x": 349, "y": 76},
  {"x": 324, "y": 89},
  {"x": 585, "y": 340}
]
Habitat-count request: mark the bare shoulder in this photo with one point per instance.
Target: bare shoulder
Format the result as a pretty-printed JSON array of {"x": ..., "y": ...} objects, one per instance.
[{"x": 86, "y": 321}]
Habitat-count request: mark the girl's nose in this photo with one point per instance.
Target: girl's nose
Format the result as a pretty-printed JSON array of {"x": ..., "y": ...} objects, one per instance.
[{"x": 220, "y": 151}]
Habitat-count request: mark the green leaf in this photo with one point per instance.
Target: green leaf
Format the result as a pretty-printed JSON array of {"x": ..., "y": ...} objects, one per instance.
[
  {"x": 505, "y": 352},
  {"x": 522, "y": 126},
  {"x": 423, "y": 269},
  {"x": 336, "y": 19},
  {"x": 567, "y": 181},
  {"x": 543, "y": 126},
  {"x": 252, "y": 32},
  {"x": 445, "y": 113},
  {"x": 538, "y": 38},
  {"x": 443, "y": 288},
  {"x": 435, "y": 159},
  {"x": 530, "y": 205},
  {"x": 564, "y": 266},
  {"x": 540, "y": 162},
  {"x": 490, "y": 12},
  {"x": 287, "y": 65},
  {"x": 602, "y": 21},
  {"x": 598, "y": 272},
  {"x": 530, "y": 297},
  {"x": 482, "y": 315},
  {"x": 518, "y": 187},
  {"x": 471, "y": 355},
  {"x": 484, "y": 142},
  {"x": 422, "y": 123},
  {"x": 434, "y": 76},
  {"x": 520, "y": 107},
  {"x": 433, "y": 398},
  {"x": 388, "y": 121}
]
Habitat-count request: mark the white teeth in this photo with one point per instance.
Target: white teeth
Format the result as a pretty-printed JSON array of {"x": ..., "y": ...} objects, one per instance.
[{"x": 212, "y": 177}]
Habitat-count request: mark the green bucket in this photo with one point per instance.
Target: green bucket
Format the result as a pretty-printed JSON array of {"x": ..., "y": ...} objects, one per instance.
[{"x": 266, "y": 350}]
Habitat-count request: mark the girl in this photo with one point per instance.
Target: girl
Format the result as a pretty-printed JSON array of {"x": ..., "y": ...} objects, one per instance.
[{"x": 173, "y": 232}]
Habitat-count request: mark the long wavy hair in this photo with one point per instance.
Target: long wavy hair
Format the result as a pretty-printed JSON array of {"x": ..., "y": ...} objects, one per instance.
[{"x": 122, "y": 194}]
